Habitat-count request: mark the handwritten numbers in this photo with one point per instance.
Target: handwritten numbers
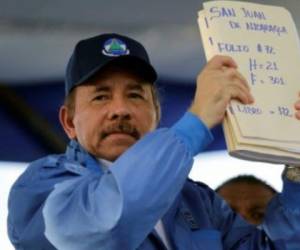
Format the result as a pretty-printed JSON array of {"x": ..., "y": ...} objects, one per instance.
[{"x": 284, "y": 111}]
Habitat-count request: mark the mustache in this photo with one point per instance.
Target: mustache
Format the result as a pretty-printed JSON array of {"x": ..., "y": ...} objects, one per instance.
[{"x": 120, "y": 127}]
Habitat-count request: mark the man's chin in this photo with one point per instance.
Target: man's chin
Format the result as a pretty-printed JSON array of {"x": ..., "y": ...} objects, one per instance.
[
  {"x": 111, "y": 148},
  {"x": 112, "y": 154}
]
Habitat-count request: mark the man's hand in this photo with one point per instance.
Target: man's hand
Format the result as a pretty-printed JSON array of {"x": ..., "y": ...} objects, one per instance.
[{"x": 217, "y": 84}]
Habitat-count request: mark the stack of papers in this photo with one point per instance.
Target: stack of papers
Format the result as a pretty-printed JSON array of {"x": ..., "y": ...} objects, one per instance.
[{"x": 263, "y": 41}]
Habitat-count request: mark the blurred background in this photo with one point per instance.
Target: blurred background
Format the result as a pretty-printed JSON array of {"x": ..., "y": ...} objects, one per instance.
[{"x": 37, "y": 38}]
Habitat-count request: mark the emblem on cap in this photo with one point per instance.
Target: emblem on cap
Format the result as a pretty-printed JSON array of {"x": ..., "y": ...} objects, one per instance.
[{"x": 115, "y": 47}]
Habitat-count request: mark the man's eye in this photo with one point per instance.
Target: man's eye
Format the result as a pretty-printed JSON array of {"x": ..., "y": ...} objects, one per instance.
[
  {"x": 101, "y": 97},
  {"x": 136, "y": 95}
]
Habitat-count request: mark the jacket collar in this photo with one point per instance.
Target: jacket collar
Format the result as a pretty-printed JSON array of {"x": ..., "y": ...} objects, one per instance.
[{"x": 75, "y": 153}]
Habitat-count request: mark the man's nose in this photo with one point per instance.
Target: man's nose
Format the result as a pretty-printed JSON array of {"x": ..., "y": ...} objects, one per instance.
[{"x": 119, "y": 109}]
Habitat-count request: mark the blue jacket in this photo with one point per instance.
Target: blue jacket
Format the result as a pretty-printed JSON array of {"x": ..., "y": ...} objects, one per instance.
[{"x": 70, "y": 201}]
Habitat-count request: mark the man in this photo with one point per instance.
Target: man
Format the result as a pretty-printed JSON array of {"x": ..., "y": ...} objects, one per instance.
[
  {"x": 122, "y": 184},
  {"x": 248, "y": 196}
]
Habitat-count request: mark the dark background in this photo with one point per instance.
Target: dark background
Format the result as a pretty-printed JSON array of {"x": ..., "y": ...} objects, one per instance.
[{"x": 37, "y": 106}]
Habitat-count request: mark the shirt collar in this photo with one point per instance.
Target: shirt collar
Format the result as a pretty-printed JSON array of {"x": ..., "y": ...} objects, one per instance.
[{"x": 77, "y": 154}]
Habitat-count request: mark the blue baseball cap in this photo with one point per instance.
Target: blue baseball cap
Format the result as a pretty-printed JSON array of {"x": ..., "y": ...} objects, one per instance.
[{"x": 92, "y": 54}]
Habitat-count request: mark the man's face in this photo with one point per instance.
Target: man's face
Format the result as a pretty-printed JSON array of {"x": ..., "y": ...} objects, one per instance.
[
  {"x": 111, "y": 112},
  {"x": 249, "y": 200}
]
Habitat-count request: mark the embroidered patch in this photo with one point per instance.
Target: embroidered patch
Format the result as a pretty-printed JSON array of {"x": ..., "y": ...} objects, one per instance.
[{"x": 115, "y": 47}]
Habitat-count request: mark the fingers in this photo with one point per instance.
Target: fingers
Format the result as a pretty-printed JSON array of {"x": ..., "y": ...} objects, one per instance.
[
  {"x": 233, "y": 73},
  {"x": 241, "y": 93},
  {"x": 229, "y": 68},
  {"x": 237, "y": 84},
  {"x": 217, "y": 84},
  {"x": 297, "y": 107},
  {"x": 218, "y": 61}
]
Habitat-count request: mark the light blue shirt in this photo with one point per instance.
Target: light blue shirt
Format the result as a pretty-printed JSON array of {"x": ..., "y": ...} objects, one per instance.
[{"x": 79, "y": 206}]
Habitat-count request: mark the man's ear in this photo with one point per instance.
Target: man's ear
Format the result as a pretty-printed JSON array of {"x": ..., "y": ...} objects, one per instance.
[{"x": 66, "y": 120}]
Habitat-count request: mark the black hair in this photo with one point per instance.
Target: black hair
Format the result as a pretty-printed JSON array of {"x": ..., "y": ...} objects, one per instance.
[{"x": 249, "y": 179}]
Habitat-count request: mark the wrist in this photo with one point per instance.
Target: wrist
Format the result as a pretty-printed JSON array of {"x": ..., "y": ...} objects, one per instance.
[
  {"x": 193, "y": 132},
  {"x": 204, "y": 118}
]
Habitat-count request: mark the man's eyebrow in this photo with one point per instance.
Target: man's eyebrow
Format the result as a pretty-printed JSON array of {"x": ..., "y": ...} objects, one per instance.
[
  {"x": 136, "y": 86},
  {"x": 101, "y": 88}
]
